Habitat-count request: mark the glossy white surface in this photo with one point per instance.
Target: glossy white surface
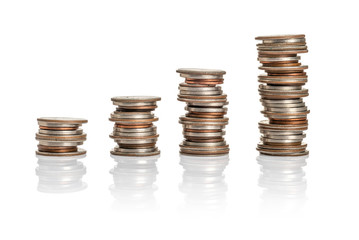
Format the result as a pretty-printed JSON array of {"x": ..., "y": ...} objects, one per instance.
[{"x": 68, "y": 58}]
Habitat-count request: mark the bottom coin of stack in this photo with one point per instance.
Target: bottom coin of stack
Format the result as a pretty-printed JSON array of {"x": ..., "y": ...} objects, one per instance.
[
  {"x": 59, "y": 136},
  {"x": 134, "y": 131}
]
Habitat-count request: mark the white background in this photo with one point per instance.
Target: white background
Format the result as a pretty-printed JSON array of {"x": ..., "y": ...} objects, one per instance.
[{"x": 68, "y": 58}]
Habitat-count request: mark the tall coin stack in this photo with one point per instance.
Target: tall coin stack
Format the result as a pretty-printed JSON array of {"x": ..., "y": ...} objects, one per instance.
[
  {"x": 134, "y": 131},
  {"x": 60, "y": 136},
  {"x": 204, "y": 122},
  {"x": 282, "y": 95}
]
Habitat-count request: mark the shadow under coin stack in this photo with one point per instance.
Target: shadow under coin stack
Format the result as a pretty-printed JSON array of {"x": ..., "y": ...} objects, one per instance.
[
  {"x": 59, "y": 136},
  {"x": 134, "y": 131},
  {"x": 204, "y": 123},
  {"x": 282, "y": 95}
]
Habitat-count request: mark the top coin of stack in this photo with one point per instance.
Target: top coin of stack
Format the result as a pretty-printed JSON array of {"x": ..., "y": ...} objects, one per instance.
[
  {"x": 282, "y": 95},
  {"x": 204, "y": 123},
  {"x": 134, "y": 131},
  {"x": 60, "y": 136}
]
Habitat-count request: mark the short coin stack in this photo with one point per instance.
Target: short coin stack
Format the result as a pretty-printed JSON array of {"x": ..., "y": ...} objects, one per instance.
[
  {"x": 282, "y": 95},
  {"x": 204, "y": 123},
  {"x": 60, "y": 136},
  {"x": 134, "y": 131}
]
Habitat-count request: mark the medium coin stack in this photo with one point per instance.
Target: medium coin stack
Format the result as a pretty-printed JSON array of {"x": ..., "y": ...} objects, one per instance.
[
  {"x": 282, "y": 94},
  {"x": 60, "y": 136},
  {"x": 134, "y": 131},
  {"x": 204, "y": 122}
]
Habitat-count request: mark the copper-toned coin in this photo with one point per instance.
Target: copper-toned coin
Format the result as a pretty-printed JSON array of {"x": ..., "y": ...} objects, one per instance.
[
  {"x": 42, "y": 148},
  {"x": 134, "y": 126},
  {"x": 63, "y": 154},
  {"x": 145, "y": 145}
]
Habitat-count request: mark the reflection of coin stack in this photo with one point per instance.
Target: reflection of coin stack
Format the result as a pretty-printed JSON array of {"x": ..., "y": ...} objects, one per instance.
[
  {"x": 204, "y": 182},
  {"x": 134, "y": 179},
  {"x": 204, "y": 123},
  {"x": 60, "y": 174},
  {"x": 134, "y": 131},
  {"x": 283, "y": 180},
  {"x": 60, "y": 136},
  {"x": 282, "y": 95}
]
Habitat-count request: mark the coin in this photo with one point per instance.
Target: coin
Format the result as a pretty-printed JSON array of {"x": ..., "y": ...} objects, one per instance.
[{"x": 200, "y": 71}]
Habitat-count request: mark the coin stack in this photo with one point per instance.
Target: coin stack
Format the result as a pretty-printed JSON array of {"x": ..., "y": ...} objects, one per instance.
[
  {"x": 60, "y": 136},
  {"x": 204, "y": 122},
  {"x": 282, "y": 94},
  {"x": 134, "y": 131}
]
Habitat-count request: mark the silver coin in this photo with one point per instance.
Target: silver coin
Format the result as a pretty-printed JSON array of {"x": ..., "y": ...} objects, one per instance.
[
  {"x": 284, "y": 110},
  {"x": 218, "y": 148},
  {"x": 200, "y": 71},
  {"x": 133, "y": 99},
  {"x": 135, "y": 130},
  {"x": 203, "y": 123},
  {"x": 289, "y": 40},
  {"x": 279, "y": 88},
  {"x": 282, "y": 101},
  {"x": 203, "y": 127},
  {"x": 125, "y": 115},
  {"x": 284, "y": 153},
  {"x": 281, "y": 132},
  {"x": 134, "y": 104},
  {"x": 269, "y": 140},
  {"x": 62, "y": 120},
  {"x": 198, "y": 88},
  {"x": 60, "y": 143},
  {"x": 135, "y": 150},
  {"x": 205, "y": 134},
  {"x": 136, "y": 154},
  {"x": 53, "y": 132},
  {"x": 201, "y": 77},
  {"x": 278, "y": 59},
  {"x": 284, "y": 69},
  {"x": 200, "y": 144},
  {"x": 201, "y": 104},
  {"x": 198, "y": 93},
  {"x": 284, "y": 137},
  {"x": 286, "y": 92},
  {"x": 135, "y": 141},
  {"x": 206, "y": 110},
  {"x": 62, "y": 125},
  {"x": 281, "y": 47},
  {"x": 138, "y": 134},
  {"x": 287, "y": 105}
]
